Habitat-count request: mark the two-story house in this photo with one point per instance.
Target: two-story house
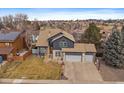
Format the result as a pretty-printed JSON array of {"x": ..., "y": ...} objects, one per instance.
[
  {"x": 62, "y": 45},
  {"x": 11, "y": 43}
]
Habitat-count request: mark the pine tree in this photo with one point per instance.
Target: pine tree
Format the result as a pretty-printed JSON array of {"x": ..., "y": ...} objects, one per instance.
[
  {"x": 92, "y": 35},
  {"x": 112, "y": 49}
]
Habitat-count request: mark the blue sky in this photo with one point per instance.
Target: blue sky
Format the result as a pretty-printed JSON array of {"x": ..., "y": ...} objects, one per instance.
[{"x": 66, "y": 13}]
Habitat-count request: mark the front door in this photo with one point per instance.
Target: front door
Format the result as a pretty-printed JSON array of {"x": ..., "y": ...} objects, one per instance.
[{"x": 57, "y": 54}]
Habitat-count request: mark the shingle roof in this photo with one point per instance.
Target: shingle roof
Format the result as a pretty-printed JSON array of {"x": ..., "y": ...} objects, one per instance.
[
  {"x": 48, "y": 33},
  {"x": 5, "y": 50},
  {"x": 11, "y": 36},
  {"x": 81, "y": 47}
]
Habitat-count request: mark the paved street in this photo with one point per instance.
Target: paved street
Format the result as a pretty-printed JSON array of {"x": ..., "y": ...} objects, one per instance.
[{"x": 82, "y": 73}]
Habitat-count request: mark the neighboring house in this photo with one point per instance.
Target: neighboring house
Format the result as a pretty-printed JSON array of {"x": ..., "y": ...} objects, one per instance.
[
  {"x": 11, "y": 43},
  {"x": 60, "y": 44}
]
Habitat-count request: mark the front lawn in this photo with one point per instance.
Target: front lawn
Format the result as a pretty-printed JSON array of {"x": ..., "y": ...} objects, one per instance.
[{"x": 32, "y": 68}]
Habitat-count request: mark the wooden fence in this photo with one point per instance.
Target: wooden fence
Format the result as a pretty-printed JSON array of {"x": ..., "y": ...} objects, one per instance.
[{"x": 23, "y": 57}]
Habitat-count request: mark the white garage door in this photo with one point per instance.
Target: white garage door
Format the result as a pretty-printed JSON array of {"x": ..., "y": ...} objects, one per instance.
[
  {"x": 89, "y": 58},
  {"x": 73, "y": 57}
]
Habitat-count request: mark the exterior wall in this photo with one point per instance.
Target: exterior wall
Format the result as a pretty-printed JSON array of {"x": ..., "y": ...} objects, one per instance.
[
  {"x": 83, "y": 57},
  {"x": 54, "y": 54},
  {"x": 2, "y": 44},
  {"x": 22, "y": 37},
  {"x": 35, "y": 51},
  {"x": 40, "y": 52},
  {"x": 63, "y": 56},
  {"x": 56, "y": 43},
  {"x": 17, "y": 44}
]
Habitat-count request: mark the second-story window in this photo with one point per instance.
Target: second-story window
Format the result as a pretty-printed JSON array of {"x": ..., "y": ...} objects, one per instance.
[{"x": 63, "y": 44}]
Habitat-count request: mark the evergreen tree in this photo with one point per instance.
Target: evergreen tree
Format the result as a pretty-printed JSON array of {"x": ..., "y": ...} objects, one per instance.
[
  {"x": 92, "y": 35},
  {"x": 122, "y": 47},
  {"x": 112, "y": 49}
]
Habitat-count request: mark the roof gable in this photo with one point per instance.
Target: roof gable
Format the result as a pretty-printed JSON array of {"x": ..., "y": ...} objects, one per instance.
[
  {"x": 54, "y": 36},
  {"x": 53, "y": 40},
  {"x": 47, "y": 34}
]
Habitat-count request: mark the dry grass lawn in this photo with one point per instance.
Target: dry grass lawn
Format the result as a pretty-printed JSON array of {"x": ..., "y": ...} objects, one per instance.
[{"x": 32, "y": 68}]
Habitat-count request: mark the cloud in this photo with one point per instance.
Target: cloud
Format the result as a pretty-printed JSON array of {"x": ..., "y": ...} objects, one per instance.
[
  {"x": 67, "y": 13},
  {"x": 90, "y": 14}
]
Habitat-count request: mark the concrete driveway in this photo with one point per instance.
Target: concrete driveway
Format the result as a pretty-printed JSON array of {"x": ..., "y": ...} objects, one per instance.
[{"x": 78, "y": 72}]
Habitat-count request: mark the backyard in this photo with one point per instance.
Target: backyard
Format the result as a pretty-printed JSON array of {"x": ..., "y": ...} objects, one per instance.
[{"x": 32, "y": 68}]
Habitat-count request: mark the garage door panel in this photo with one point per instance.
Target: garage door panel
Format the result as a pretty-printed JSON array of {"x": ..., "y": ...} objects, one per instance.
[
  {"x": 89, "y": 58},
  {"x": 73, "y": 57}
]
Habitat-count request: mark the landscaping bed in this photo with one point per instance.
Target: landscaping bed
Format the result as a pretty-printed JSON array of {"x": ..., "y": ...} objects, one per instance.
[{"x": 32, "y": 68}]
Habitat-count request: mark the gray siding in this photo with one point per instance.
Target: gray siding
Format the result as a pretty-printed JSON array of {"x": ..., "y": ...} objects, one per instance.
[
  {"x": 56, "y": 45},
  {"x": 41, "y": 50}
]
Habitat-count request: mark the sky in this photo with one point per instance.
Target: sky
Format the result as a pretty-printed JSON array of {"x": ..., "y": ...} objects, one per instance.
[{"x": 66, "y": 13}]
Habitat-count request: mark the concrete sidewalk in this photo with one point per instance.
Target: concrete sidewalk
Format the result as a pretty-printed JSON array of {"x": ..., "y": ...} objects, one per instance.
[{"x": 28, "y": 81}]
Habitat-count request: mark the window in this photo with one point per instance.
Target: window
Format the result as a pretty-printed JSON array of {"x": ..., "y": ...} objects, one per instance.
[
  {"x": 63, "y": 44},
  {"x": 6, "y": 44},
  {"x": 58, "y": 54},
  {"x": 42, "y": 50}
]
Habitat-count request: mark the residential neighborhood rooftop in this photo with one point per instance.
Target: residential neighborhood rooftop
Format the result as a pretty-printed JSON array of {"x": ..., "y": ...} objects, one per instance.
[
  {"x": 11, "y": 36},
  {"x": 48, "y": 33}
]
